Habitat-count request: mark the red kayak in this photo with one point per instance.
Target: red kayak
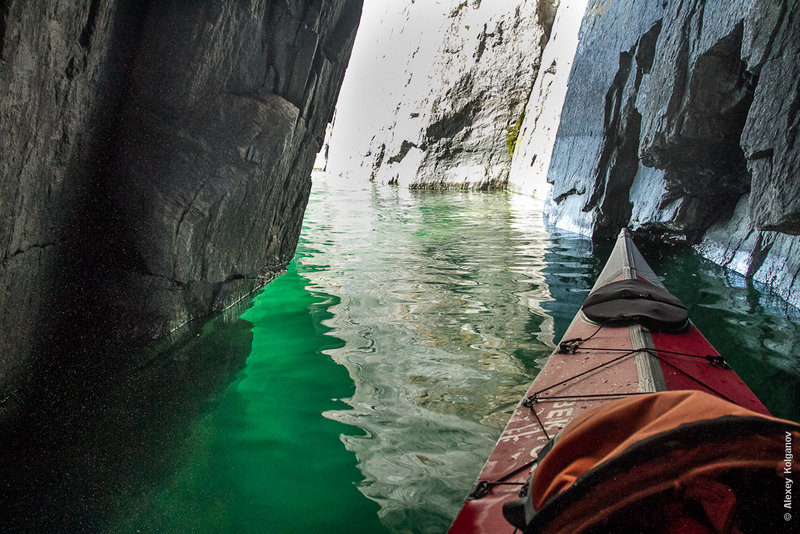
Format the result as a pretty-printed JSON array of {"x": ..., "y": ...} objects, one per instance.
[{"x": 635, "y": 424}]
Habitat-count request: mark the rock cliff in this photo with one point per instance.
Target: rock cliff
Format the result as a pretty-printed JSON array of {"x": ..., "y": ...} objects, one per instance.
[
  {"x": 453, "y": 79},
  {"x": 534, "y": 143},
  {"x": 680, "y": 121},
  {"x": 155, "y": 160}
]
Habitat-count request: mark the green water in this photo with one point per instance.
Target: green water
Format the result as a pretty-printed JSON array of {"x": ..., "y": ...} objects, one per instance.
[
  {"x": 265, "y": 459},
  {"x": 383, "y": 365},
  {"x": 362, "y": 390}
]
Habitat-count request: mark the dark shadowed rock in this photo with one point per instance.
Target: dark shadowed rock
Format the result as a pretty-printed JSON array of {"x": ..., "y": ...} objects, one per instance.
[
  {"x": 700, "y": 93},
  {"x": 156, "y": 160},
  {"x": 62, "y": 67}
]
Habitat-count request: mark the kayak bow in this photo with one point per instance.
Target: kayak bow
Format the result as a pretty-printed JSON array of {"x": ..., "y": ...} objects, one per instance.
[{"x": 648, "y": 420}]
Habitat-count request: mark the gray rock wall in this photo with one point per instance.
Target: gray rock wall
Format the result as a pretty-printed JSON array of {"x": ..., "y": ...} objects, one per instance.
[
  {"x": 475, "y": 120},
  {"x": 155, "y": 160},
  {"x": 458, "y": 75},
  {"x": 680, "y": 120},
  {"x": 208, "y": 190}
]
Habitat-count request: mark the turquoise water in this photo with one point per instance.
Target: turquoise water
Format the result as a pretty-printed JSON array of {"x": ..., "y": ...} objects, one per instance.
[
  {"x": 265, "y": 458},
  {"x": 362, "y": 390}
]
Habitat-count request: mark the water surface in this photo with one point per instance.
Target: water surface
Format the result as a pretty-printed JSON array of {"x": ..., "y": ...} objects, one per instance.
[
  {"x": 362, "y": 390},
  {"x": 386, "y": 362}
]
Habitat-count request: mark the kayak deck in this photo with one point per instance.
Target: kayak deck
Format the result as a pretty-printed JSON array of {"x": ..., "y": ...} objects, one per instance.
[{"x": 595, "y": 364}]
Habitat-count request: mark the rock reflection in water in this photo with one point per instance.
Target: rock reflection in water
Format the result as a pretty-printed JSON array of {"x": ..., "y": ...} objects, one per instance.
[
  {"x": 443, "y": 325},
  {"x": 105, "y": 432}
]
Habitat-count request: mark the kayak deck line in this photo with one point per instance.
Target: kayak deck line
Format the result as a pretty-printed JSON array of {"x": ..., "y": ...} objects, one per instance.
[
  {"x": 712, "y": 360},
  {"x": 631, "y": 354}
]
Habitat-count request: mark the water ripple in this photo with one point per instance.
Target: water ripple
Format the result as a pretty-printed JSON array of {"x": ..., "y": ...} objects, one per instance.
[{"x": 446, "y": 297}]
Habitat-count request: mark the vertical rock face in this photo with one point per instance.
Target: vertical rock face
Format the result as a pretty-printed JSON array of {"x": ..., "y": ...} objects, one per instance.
[
  {"x": 680, "y": 120},
  {"x": 155, "y": 158},
  {"x": 228, "y": 107},
  {"x": 598, "y": 114},
  {"x": 771, "y": 49},
  {"x": 460, "y": 102},
  {"x": 61, "y": 68},
  {"x": 534, "y": 143}
]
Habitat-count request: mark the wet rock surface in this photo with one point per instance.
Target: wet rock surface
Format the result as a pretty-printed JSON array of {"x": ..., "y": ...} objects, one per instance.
[
  {"x": 156, "y": 161},
  {"x": 680, "y": 121}
]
